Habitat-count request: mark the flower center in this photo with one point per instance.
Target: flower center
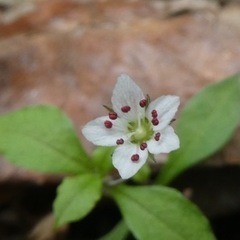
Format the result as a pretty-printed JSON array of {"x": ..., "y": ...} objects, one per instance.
[{"x": 142, "y": 130}]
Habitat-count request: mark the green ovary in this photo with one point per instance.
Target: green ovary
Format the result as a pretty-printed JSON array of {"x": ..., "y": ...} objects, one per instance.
[{"x": 142, "y": 130}]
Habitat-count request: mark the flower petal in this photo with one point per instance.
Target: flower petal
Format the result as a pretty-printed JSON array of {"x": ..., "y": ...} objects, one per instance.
[
  {"x": 122, "y": 159},
  {"x": 127, "y": 93},
  {"x": 168, "y": 142},
  {"x": 166, "y": 107},
  {"x": 96, "y": 132}
]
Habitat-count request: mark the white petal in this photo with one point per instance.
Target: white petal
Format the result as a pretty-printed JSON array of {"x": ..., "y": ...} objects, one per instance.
[
  {"x": 168, "y": 142},
  {"x": 97, "y": 133},
  {"x": 127, "y": 93},
  {"x": 166, "y": 107},
  {"x": 122, "y": 159}
]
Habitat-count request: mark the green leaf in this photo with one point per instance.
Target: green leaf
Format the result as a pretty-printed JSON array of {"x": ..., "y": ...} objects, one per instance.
[
  {"x": 143, "y": 174},
  {"x": 41, "y": 138},
  {"x": 119, "y": 232},
  {"x": 160, "y": 213},
  {"x": 206, "y": 123},
  {"x": 102, "y": 159},
  {"x": 76, "y": 197}
]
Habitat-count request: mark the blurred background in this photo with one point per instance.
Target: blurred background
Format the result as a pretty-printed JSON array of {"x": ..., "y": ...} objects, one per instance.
[{"x": 68, "y": 53}]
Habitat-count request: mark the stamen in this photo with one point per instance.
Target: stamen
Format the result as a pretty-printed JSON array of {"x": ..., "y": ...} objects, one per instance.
[
  {"x": 143, "y": 103},
  {"x": 143, "y": 146},
  {"x": 135, "y": 157},
  {"x": 113, "y": 115},
  {"x": 155, "y": 121},
  {"x": 125, "y": 109},
  {"x": 108, "y": 124},
  {"x": 157, "y": 136},
  {"x": 154, "y": 113},
  {"x": 120, "y": 141}
]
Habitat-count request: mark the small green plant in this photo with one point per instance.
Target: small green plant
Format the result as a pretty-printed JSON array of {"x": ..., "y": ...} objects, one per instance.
[{"x": 42, "y": 138}]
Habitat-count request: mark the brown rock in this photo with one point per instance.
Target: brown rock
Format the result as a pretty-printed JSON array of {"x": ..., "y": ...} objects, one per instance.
[{"x": 69, "y": 53}]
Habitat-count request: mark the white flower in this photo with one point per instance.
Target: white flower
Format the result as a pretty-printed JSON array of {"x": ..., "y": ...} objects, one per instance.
[{"x": 135, "y": 126}]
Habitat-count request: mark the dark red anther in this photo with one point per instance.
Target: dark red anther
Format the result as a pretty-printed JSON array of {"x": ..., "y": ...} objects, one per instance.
[
  {"x": 135, "y": 157},
  {"x": 157, "y": 136},
  {"x": 155, "y": 121},
  {"x": 154, "y": 113},
  {"x": 143, "y": 146},
  {"x": 143, "y": 103},
  {"x": 112, "y": 115},
  {"x": 108, "y": 124},
  {"x": 120, "y": 141},
  {"x": 125, "y": 109}
]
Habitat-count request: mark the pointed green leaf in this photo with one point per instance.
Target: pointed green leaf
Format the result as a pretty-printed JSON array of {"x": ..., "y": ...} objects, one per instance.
[
  {"x": 160, "y": 213},
  {"x": 205, "y": 125},
  {"x": 41, "y": 138},
  {"x": 119, "y": 232},
  {"x": 76, "y": 197}
]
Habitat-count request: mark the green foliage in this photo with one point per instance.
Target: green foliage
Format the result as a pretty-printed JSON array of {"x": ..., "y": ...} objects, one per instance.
[
  {"x": 143, "y": 174},
  {"x": 119, "y": 232},
  {"x": 41, "y": 138},
  {"x": 206, "y": 123},
  {"x": 76, "y": 197},
  {"x": 102, "y": 160},
  {"x": 155, "y": 212}
]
